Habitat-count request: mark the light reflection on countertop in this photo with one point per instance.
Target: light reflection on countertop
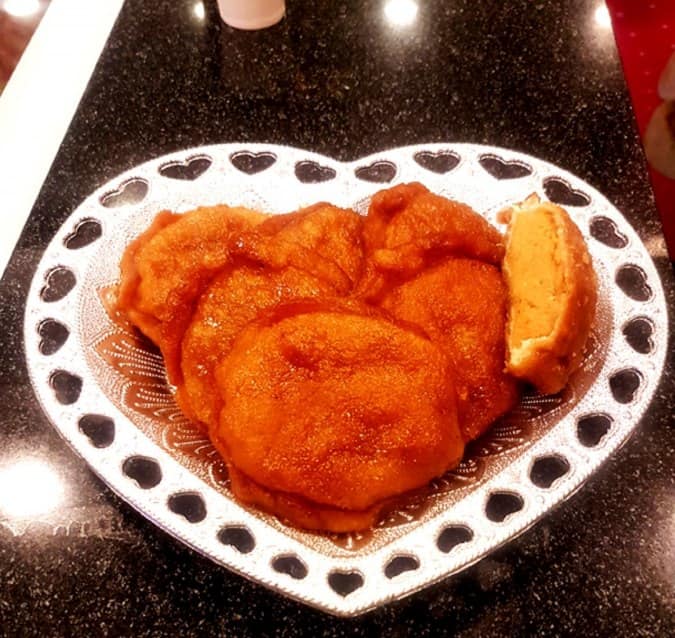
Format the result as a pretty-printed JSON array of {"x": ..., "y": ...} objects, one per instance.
[
  {"x": 401, "y": 13},
  {"x": 600, "y": 27},
  {"x": 198, "y": 11},
  {"x": 601, "y": 17},
  {"x": 30, "y": 487}
]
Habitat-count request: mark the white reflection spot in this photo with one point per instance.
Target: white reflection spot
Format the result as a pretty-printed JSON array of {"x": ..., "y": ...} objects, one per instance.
[
  {"x": 401, "y": 13},
  {"x": 29, "y": 487},
  {"x": 20, "y": 8},
  {"x": 601, "y": 17},
  {"x": 198, "y": 10}
]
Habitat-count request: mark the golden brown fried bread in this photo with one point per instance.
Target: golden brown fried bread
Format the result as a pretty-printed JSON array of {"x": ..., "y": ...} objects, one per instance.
[
  {"x": 232, "y": 300},
  {"x": 408, "y": 228},
  {"x": 337, "y": 408},
  {"x": 299, "y": 511},
  {"x": 166, "y": 269},
  {"x": 552, "y": 294},
  {"x": 323, "y": 240},
  {"x": 130, "y": 277},
  {"x": 461, "y": 304}
]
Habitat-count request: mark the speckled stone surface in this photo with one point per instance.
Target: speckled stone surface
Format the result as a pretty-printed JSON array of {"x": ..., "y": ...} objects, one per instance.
[{"x": 539, "y": 77}]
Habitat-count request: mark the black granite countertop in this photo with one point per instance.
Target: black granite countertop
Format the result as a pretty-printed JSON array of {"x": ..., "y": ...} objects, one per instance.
[{"x": 335, "y": 77}]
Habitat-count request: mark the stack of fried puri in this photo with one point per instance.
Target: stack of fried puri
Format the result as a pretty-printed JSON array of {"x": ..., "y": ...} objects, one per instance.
[{"x": 336, "y": 361}]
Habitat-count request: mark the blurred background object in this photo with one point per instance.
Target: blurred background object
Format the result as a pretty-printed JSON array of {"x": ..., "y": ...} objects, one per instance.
[
  {"x": 645, "y": 36},
  {"x": 644, "y": 32},
  {"x": 18, "y": 21},
  {"x": 251, "y": 14}
]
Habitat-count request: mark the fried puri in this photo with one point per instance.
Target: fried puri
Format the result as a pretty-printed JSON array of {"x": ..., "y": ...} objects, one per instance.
[
  {"x": 165, "y": 271},
  {"x": 461, "y": 304},
  {"x": 409, "y": 228},
  {"x": 322, "y": 240},
  {"x": 337, "y": 361},
  {"x": 232, "y": 300},
  {"x": 336, "y": 407},
  {"x": 130, "y": 278},
  {"x": 299, "y": 511}
]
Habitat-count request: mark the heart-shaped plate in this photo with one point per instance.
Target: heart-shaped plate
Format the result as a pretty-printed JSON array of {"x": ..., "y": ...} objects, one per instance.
[{"x": 105, "y": 391}]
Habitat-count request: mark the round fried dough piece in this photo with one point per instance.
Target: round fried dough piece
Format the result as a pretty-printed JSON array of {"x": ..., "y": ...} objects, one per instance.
[
  {"x": 409, "y": 228},
  {"x": 299, "y": 511},
  {"x": 339, "y": 408},
  {"x": 553, "y": 294},
  {"x": 232, "y": 300},
  {"x": 461, "y": 305},
  {"x": 130, "y": 278},
  {"x": 323, "y": 240},
  {"x": 168, "y": 267}
]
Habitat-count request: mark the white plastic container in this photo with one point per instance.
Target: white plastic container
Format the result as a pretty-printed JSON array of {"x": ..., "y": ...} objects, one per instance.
[{"x": 251, "y": 14}]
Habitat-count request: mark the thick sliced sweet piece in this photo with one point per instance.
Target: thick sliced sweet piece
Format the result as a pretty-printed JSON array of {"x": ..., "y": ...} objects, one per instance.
[
  {"x": 337, "y": 408},
  {"x": 461, "y": 305},
  {"x": 552, "y": 294}
]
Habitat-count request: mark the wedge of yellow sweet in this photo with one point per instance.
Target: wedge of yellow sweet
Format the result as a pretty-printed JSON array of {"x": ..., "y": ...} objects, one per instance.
[{"x": 552, "y": 294}]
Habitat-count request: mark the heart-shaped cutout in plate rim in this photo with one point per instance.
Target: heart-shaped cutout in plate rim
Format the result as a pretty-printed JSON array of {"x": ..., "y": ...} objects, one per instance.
[{"x": 277, "y": 189}]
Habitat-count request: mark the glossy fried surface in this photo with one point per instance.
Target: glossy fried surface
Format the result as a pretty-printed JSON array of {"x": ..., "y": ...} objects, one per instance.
[
  {"x": 336, "y": 361},
  {"x": 338, "y": 408},
  {"x": 165, "y": 271},
  {"x": 299, "y": 511},
  {"x": 323, "y": 240},
  {"x": 232, "y": 300},
  {"x": 461, "y": 305},
  {"x": 130, "y": 278},
  {"x": 409, "y": 228}
]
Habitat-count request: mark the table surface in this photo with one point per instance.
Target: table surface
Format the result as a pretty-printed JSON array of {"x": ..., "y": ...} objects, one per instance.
[{"x": 342, "y": 79}]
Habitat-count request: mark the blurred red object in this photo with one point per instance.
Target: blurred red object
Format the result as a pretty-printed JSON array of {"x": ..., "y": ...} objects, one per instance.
[
  {"x": 15, "y": 33},
  {"x": 645, "y": 35}
]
